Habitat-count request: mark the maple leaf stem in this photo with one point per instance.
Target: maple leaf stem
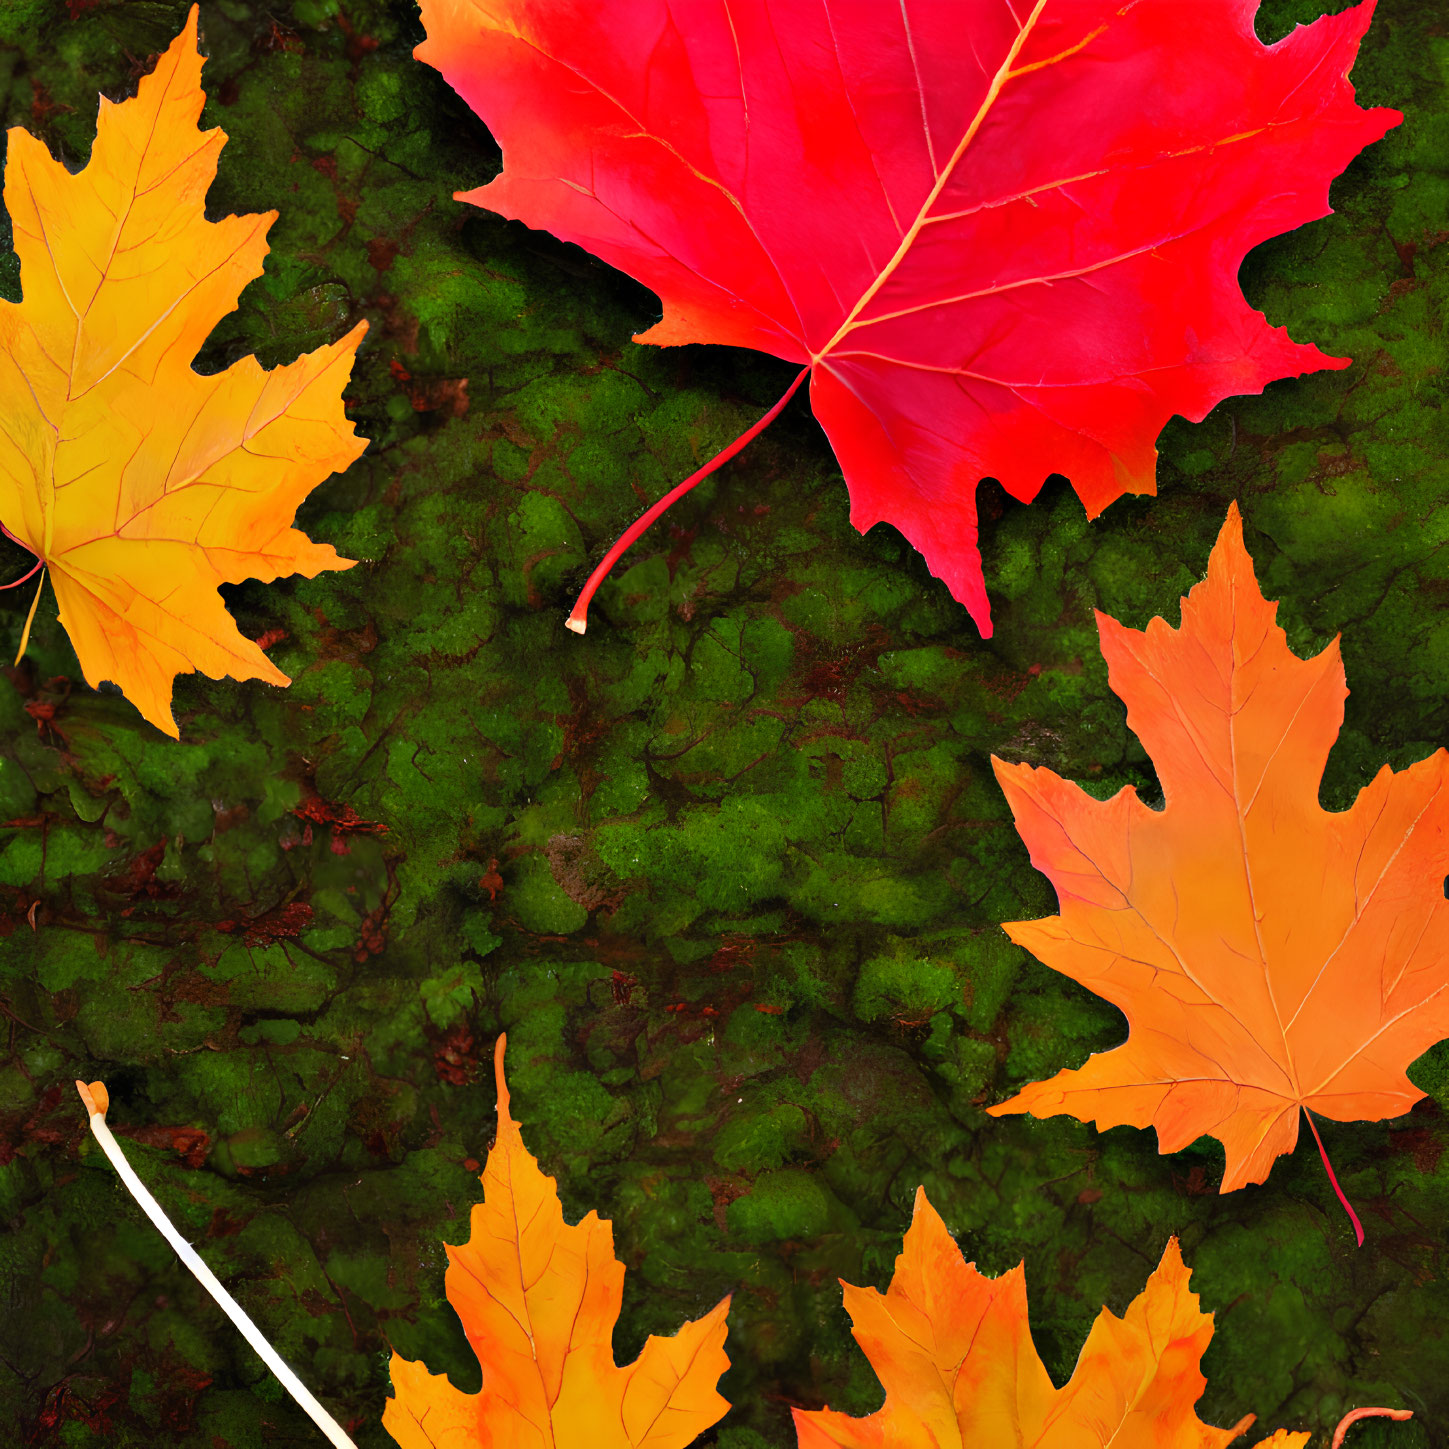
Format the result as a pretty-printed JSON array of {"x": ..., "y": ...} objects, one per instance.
[
  {"x": 1356, "y": 1414},
  {"x": 1333, "y": 1178},
  {"x": 97, "y": 1101},
  {"x": 578, "y": 620},
  {"x": 30, "y": 617},
  {"x": 498, "y": 1078},
  {"x": 28, "y": 574}
]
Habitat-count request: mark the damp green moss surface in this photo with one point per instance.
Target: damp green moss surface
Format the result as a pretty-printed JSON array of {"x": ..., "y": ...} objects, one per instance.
[{"x": 730, "y": 870}]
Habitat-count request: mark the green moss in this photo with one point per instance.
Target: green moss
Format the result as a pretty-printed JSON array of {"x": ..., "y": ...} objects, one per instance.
[
  {"x": 761, "y": 780},
  {"x": 21, "y": 860},
  {"x": 539, "y": 902},
  {"x": 789, "y": 1203},
  {"x": 761, "y": 1140},
  {"x": 903, "y": 986}
]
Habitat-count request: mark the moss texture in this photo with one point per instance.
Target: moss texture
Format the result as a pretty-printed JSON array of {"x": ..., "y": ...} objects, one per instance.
[{"x": 730, "y": 870}]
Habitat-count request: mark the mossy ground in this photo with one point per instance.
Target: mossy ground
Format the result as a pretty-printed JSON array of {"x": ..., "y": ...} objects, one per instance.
[{"x": 730, "y": 871}]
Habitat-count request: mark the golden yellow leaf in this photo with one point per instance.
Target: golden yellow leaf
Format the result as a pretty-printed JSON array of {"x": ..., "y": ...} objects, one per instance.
[
  {"x": 539, "y": 1300},
  {"x": 140, "y": 484}
]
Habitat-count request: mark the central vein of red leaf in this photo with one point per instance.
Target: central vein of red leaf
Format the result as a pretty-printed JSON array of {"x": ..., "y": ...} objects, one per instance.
[{"x": 1003, "y": 74}]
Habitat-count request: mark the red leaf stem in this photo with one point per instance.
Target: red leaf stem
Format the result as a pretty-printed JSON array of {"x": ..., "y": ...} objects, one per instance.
[
  {"x": 1357, "y": 1229},
  {"x": 578, "y": 621},
  {"x": 1355, "y": 1415}
]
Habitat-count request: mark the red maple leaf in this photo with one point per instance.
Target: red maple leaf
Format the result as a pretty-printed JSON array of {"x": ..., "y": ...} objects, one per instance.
[{"x": 1002, "y": 238}]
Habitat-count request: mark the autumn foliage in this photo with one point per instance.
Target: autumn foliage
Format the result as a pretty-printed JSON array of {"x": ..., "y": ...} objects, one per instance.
[
  {"x": 1271, "y": 957},
  {"x": 1004, "y": 240},
  {"x": 999, "y": 241},
  {"x": 539, "y": 1300},
  {"x": 953, "y": 1350},
  {"x": 141, "y": 484}
]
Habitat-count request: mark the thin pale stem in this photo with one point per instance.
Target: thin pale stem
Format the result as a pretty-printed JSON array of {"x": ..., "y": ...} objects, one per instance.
[
  {"x": 578, "y": 621},
  {"x": 97, "y": 1100},
  {"x": 1355, "y": 1415},
  {"x": 30, "y": 617},
  {"x": 1333, "y": 1178}
]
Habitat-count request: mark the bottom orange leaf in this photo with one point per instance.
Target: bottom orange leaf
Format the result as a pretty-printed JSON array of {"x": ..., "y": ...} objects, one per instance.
[
  {"x": 539, "y": 1300},
  {"x": 954, "y": 1352}
]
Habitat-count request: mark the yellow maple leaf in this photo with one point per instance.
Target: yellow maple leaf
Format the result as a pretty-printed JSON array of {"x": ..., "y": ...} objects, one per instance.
[
  {"x": 953, "y": 1349},
  {"x": 538, "y": 1300},
  {"x": 140, "y": 484}
]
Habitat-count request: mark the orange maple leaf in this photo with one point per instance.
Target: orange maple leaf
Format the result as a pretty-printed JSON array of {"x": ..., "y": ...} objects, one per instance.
[
  {"x": 1270, "y": 956},
  {"x": 139, "y": 484},
  {"x": 953, "y": 1349},
  {"x": 539, "y": 1300}
]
